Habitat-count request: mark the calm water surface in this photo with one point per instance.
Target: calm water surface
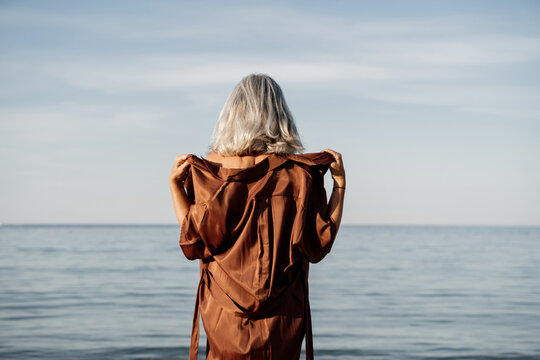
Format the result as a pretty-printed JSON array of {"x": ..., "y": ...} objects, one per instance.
[{"x": 384, "y": 292}]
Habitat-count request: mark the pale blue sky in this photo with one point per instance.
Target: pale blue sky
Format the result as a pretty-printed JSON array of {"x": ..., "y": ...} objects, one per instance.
[{"x": 434, "y": 105}]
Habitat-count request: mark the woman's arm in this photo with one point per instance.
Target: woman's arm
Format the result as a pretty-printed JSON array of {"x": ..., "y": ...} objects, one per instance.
[
  {"x": 322, "y": 216},
  {"x": 335, "y": 205},
  {"x": 176, "y": 183}
]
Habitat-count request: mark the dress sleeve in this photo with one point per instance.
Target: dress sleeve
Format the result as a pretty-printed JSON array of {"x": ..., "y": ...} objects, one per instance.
[
  {"x": 190, "y": 241},
  {"x": 319, "y": 230},
  {"x": 203, "y": 231}
]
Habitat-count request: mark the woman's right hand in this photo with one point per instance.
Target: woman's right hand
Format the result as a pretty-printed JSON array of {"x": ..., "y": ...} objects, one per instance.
[
  {"x": 178, "y": 175},
  {"x": 336, "y": 168},
  {"x": 179, "y": 170}
]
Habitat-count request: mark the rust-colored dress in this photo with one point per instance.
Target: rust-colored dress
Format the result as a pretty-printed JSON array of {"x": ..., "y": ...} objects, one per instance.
[{"x": 255, "y": 230}]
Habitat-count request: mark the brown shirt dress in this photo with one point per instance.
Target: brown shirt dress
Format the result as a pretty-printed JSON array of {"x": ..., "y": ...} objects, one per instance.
[{"x": 255, "y": 231}]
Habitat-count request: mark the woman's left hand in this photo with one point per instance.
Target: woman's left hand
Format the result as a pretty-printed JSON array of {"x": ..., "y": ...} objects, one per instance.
[{"x": 336, "y": 168}]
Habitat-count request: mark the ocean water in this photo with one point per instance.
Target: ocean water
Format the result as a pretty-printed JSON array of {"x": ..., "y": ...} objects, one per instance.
[{"x": 384, "y": 292}]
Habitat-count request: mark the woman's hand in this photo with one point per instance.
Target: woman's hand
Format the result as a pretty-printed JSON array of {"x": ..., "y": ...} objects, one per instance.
[
  {"x": 178, "y": 175},
  {"x": 336, "y": 168},
  {"x": 179, "y": 170}
]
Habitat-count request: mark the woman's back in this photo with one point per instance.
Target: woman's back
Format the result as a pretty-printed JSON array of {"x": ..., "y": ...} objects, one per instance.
[
  {"x": 256, "y": 228},
  {"x": 235, "y": 162}
]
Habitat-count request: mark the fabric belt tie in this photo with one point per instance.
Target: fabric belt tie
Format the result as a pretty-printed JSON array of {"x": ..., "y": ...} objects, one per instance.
[{"x": 194, "y": 346}]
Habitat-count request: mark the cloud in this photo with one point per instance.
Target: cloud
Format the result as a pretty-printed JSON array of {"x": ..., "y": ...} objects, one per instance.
[
  {"x": 430, "y": 80},
  {"x": 151, "y": 73},
  {"x": 444, "y": 60}
]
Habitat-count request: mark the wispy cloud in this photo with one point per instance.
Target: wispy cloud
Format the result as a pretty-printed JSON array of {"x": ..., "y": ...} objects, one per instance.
[
  {"x": 415, "y": 76},
  {"x": 445, "y": 60}
]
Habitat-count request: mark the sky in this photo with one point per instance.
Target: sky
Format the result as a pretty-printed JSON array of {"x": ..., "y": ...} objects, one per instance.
[{"x": 434, "y": 105}]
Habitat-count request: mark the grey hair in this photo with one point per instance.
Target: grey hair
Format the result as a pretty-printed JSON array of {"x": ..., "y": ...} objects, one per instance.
[{"x": 256, "y": 119}]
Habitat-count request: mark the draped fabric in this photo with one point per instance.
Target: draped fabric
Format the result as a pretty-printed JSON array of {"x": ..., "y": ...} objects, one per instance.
[{"x": 255, "y": 230}]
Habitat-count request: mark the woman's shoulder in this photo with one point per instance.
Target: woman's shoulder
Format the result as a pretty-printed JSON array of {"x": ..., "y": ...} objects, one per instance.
[{"x": 312, "y": 159}]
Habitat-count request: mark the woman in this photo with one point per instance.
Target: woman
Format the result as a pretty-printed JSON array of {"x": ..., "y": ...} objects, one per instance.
[{"x": 255, "y": 214}]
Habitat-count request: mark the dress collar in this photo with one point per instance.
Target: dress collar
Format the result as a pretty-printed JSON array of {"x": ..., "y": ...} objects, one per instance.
[{"x": 271, "y": 162}]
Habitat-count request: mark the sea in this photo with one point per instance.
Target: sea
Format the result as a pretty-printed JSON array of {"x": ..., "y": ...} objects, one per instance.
[{"x": 383, "y": 292}]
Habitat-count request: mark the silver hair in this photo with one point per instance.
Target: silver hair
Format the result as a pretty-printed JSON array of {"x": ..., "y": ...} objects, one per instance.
[{"x": 256, "y": 119}]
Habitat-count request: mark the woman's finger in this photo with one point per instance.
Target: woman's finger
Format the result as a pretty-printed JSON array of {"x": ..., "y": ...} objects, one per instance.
[
  {"x": 336, "y": 155},
  {"x": 184, "y": 166},
  {"x": 179, "y": 173},
  {"x": 180, "y": 159},
  {"x": 180, "y": 170}
]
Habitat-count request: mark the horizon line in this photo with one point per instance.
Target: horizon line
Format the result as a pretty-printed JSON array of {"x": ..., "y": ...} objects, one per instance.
[{"x": 343, "y": 224}]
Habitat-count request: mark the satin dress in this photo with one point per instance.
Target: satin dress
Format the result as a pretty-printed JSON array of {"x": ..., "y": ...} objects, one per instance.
[{"x": 255, "y": 230}]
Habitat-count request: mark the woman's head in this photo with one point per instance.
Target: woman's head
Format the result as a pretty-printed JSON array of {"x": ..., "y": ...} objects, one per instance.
[{"x": 256, "y": 119}]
